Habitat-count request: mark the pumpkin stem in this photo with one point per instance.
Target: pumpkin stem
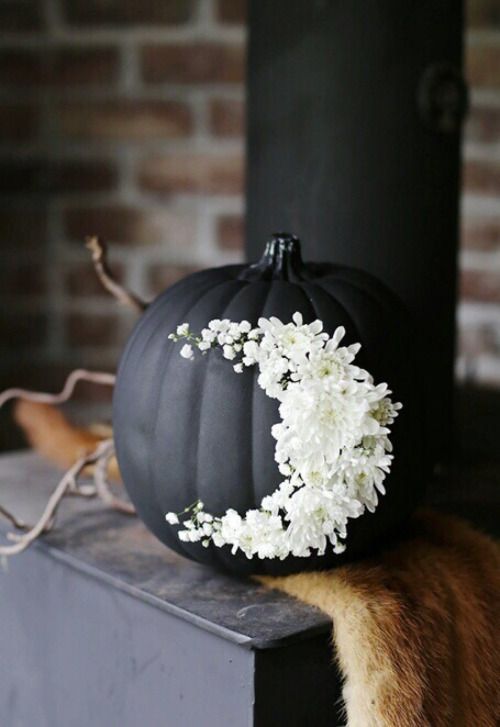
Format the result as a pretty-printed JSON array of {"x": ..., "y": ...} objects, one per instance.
[{"x": 282, "y": 260}]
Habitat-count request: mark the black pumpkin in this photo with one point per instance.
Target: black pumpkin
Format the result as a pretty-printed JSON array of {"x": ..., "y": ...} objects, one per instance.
[{"x": 188, "y": 430}]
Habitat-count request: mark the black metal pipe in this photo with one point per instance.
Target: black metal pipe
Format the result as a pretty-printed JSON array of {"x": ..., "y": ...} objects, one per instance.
[{"x": 354, "y": 119}]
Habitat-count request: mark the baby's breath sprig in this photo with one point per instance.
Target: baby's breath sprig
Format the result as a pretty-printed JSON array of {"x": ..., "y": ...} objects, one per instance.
[{"x": 230, "y": 336}]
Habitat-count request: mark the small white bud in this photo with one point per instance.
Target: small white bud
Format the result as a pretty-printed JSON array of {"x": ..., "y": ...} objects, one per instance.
[
  {"x": 172, "y": 518},
  {"x": 228, "y": 352},
  {"x": 208, "y": 335},
  {"x": 183, "y": 329},
  {"x": 187, "y": 351}
]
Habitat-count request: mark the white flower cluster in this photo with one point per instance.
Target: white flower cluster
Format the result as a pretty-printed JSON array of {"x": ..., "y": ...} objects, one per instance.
[{"x": 332, "y": 443}]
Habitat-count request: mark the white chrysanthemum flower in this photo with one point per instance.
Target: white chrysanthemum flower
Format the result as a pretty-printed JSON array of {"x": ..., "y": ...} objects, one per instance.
[{"x": 332, "y": 443}]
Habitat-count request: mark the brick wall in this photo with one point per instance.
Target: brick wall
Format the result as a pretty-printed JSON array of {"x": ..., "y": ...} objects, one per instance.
[
  {"x": 123, "y": 118},
  {"x": 479, "y": 308},
  {"x": 126, "y": 118}
]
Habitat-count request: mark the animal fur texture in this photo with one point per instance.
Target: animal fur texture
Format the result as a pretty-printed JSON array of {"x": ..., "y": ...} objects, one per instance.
[
  {"x": 56, "y": 438},
  {"x": 415, "y": 630}
]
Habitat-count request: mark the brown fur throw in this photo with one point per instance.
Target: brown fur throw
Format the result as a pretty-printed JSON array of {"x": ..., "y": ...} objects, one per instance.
[
  {"x": 415, "y": 629},
  {"x": 56, "y": 438}
]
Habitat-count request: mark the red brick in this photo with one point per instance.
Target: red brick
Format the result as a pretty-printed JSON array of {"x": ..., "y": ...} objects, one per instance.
[
  {"x": 62, "y": 66},
  {"x": 163, "y": 276},
  {"x": 21, "y": 330},
  {"x": 124, "y": 120},
  {"x": 483, "y": 14},
  {"x": 481, "y": 234},
  {"x": 115, "y": 223},
  {"x": 193, "y": 63},
  {"x": 20, "y": 67},
  {"x": 232, "y": 11},
  {"x": 81, "y": 280},
  {"x": 469, "y": 342},
  {"x": 230, "y": 232},
  {"x": 20, "y": 15},
  {"x": 227, "y": 117},
  {"x": 192, "y": 173},
  {"x": 127, "y": 12},
  {"x": 482, "y": 177},
  {"x": 18, "y": 122},
  {"x": 86, "y": 329},
  {"x": 121, "y": 224},
  {"x": 483, "y": 124},
  {"x": 83, "y": 66},
  {"x": 483, "y": 66},
  {"x": 48, "y": 176},
  {"x": 23, "y": 228},
  {"x": 22, "y": 279},
  {"x": 476, "y": 340},
  {"x": 480, "y": 286}
]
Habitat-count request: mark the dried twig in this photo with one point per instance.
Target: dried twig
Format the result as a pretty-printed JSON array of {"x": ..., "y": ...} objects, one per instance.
[
  {"x": 100, "y": 259},
  {"x": 94, "y": 377},
  {"x": 50, "y": 511},
  {"x": 102, "y": 487},
  {"x": 19, "y": 524},
  {"x": 68, "y": 484},
  {"x": 100, "y": 456}
]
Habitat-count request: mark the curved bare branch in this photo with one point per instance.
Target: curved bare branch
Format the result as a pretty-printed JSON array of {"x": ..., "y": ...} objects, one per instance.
[
  {"x": 46, "y": 520},
  {"x": 102, "y": 487},
  {"x": 99, "y": 253},
  {"x": 94, "y": 377}
]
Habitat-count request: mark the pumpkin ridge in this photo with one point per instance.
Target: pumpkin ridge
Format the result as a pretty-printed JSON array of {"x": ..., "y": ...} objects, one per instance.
[
  {"x": 164, "y": 379},
  {"x": 352, "y": 330},
  {"x": 302, "y": 286},
  {"x": 207, "y": 287},
  {"x": 156, "y": 312},
  {"x": 343, "y": 288},
  {"x": 227, "y": 303},
  {"x": 374, "y": 295},
  {"x": 252, "y": 408}
]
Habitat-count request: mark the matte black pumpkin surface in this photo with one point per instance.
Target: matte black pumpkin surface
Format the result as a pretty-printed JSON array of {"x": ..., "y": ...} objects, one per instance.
[{"x": 189, "y": 430}]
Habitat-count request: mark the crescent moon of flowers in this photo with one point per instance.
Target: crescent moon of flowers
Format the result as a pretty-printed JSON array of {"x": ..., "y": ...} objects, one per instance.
[{"x": 332, "y": 443}]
